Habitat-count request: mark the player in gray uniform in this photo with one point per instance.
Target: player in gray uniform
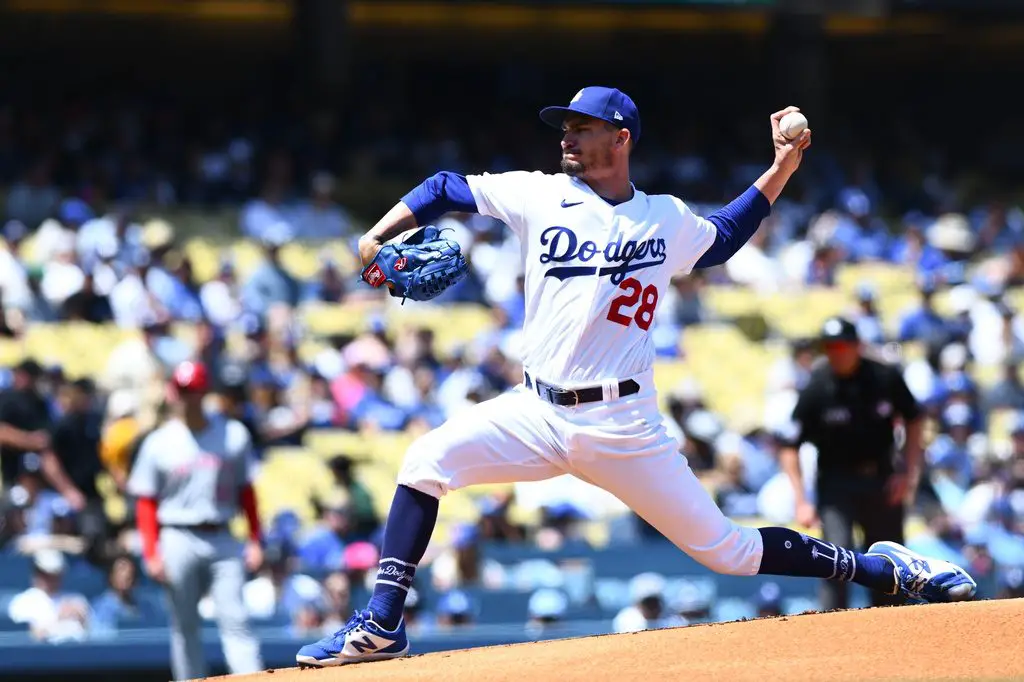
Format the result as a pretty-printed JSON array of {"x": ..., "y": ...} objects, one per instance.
[{"x": 191, "y": 476}]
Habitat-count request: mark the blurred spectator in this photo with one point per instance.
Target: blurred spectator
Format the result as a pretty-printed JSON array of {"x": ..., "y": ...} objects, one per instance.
[
  {"x": 168, "y": 276},
  {"x": 320, "y": 217},
  {"x": 279, "y": 590},
  {"x": 232, "y": 390},
  {"x": 732, "y": 495},
  {"x": 461, "y": 564},
  {"x": 24, "y": 419},
  {"x": 86, "y": 304},
  {"x": 495, "y": 525},
  {"x": 865, "y": 317},
  {"x": 415, "y": 613},
  {"x": 328, "y": 285},
  {"x": 360, "y": 502},
  {"x": 1011, "y": 583},
  {"x": 952, "y": 241},
  {"x": 38, "y": 309},
  {"x": 338, "y": 598},
  {"x": 59, "y": 235},
  {"x": 701, "y": 429},
  {"x": 307, "y": 620},
  {"x": 115, "y": 235},
  {"x": 1007, "y": 392},
  {"x": 140, "y": 363},
  {"x": 997, "y": 335},
  {"x": 51, "y": 614},
  {"x": 860, "y": 235},
  {"x": 923, "y": 323},
  {"x": 271, "y": 284},
  {"x": 13, "y": 275},
  {"x": 323, "y": 413},
  {"x": 121, "y": 432},
  {"x": 62, "y": 276},
  {"x": 72, "y": 462},
  {"x": 454, "y": 609},
  {"x": 647, "y": 612},
  {"x": 122, "y": 605},
  {"x": 682, "y": 304},
  {"x": 324, "y": 545},
  {"x": 30, "y": 508},
  {"x": 361, "y": 559},
  {"x": 545, "y": 611},
  {"x": 683, "y": 400},
  {"x": 949, "y": 471},
  {"x": 561, "y": 527},
  {"x": 689, "y": 602},
  {"x": 131, "y": 300},
  {"x": 261, "y": 215},
  {"x": 943, "y": 539},
  {"x": 221, "y": 297}
]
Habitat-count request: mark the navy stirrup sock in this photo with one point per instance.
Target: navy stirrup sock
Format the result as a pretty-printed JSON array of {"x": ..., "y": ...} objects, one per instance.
[
  {"x": 406, "y": 536},
  {"x": 787, "y": 552}
]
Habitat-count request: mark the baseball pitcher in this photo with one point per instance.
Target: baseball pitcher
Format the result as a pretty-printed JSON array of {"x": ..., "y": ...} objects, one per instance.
[
  {"x": 191, "y": 476},
  {"x": 598, "y": 254}
]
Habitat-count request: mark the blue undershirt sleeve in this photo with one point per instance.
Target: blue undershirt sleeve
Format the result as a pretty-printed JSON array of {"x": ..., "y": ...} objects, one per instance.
[
  {"x": 736, "y": 223},
  {"x": 439, "y": 194}
]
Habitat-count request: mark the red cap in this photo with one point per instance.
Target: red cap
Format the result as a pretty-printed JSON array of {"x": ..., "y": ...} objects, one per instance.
[{"x": 190, "y": 376}]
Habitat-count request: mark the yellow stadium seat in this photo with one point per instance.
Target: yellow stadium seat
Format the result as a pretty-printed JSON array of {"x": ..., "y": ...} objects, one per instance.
[{"x": 289, "y": 478}]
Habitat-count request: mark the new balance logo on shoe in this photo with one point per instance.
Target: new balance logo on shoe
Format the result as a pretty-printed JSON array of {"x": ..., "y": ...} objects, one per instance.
[{"x": 366, "y": 645}]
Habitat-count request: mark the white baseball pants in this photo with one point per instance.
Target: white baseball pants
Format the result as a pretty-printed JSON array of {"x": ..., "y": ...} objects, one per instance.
[{"x": 619, "y": 445}]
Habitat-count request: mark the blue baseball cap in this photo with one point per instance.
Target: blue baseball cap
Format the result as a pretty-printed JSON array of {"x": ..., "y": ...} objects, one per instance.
[
  {"x": 75, "y": 211},
  {"x": 606, "y": 104}
]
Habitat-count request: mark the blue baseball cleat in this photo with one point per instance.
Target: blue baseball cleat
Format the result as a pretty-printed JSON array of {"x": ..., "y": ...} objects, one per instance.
[
  {"x": 924, "y": 578},
  {"x": 361, "y": 639}
]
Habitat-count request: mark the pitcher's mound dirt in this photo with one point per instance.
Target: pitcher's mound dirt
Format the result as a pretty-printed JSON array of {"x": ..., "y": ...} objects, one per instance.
[{"x": 973, "y": 641}]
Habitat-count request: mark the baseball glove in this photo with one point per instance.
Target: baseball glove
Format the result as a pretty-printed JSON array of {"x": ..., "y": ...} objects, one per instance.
[{"x": 420, "y": 267}]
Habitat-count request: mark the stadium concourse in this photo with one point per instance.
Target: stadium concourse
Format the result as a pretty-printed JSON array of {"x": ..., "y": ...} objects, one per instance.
[{"x": 854, "y": 646}]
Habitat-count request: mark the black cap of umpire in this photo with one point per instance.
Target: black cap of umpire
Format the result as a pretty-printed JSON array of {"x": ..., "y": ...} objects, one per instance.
[{"x": 839, "y": 329}]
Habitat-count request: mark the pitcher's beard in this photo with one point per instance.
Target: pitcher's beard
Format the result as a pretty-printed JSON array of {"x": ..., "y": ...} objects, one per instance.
[{"x": 573, "y": 168}]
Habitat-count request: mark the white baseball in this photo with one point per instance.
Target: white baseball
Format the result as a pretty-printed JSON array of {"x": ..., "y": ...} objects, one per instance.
[{"x": 792, "y": 124}]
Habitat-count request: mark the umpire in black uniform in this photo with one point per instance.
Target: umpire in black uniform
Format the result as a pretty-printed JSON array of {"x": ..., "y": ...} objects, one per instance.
[{"x": 849, "y": 410}]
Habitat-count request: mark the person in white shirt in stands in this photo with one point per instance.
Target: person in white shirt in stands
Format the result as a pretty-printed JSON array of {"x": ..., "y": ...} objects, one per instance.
[
  {"x": 54, "y": 232},
  {"x": 50, "y": 613},
  {"x": 61, "y": 275},
  {"x": 647, "y": 612},
  {"x": 13, "y": 276},
  {"x": 221, "y": 297}
]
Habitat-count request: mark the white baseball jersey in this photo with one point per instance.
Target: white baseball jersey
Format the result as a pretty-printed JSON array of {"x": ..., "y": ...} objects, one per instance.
[
  {"x": 594, "y": 275},
  {"x": 594, "y": 272}
]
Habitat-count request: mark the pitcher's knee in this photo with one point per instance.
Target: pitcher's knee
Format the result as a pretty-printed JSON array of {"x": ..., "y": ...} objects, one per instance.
[
  {"x": 422, "y": 469},
  {"x": 738, "y": 553}
]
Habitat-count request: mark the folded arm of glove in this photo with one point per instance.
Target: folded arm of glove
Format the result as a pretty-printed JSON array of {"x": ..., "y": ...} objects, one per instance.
[{"x": 420, "y": 267}]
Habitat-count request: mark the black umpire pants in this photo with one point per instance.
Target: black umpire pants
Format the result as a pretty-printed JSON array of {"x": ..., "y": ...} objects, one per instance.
[{"x": 845, "y": 500}]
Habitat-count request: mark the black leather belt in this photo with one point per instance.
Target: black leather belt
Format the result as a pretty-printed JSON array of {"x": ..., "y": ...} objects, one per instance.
[
  {"x": 199, "y": 527},
  {"x": 571, "y": 398}
]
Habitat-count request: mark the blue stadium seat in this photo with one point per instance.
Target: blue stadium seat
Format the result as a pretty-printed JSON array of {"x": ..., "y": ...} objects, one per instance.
[
  {"x": 8, "y": 625},
  {"x": 84, "y": 578},
  {"x": 15, "y": 571}
]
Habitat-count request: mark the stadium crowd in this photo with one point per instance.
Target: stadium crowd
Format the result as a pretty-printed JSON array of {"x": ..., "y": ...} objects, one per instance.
[{"x": 86, "y": 238}]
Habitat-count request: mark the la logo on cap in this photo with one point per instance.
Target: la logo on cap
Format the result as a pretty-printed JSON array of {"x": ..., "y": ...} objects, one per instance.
[
  {"x": 833, "y": 327},
  {"x": 577, "y": 97}
]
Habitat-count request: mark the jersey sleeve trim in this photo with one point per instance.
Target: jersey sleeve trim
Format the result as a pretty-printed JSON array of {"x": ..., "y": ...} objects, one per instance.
[
  {"x": 735, "y": 223},
  {"x": 441, "y": 193}
]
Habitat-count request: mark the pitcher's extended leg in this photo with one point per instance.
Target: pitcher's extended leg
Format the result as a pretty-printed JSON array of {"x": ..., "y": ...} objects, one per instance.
[
  {"x": 504, "y": 440},
  {"x": 661, "y": 487}
]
